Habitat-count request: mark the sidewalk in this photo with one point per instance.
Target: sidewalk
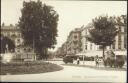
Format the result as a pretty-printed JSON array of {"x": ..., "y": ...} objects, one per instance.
[
  {"x": 91, "y": 64},
  {"x": 88, "y": 63}
]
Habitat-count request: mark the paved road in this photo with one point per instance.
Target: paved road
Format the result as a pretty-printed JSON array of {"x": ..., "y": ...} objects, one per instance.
[{"x": 70, "y": 74}]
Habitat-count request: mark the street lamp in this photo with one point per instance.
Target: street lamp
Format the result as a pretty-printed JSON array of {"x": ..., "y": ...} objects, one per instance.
[
  {"x": 103, "y": 44},
  {"x": 83, "y": 58}
]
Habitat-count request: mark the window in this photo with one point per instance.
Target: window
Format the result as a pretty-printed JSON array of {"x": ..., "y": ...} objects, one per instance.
[
  {"x": 24, "y": 49},
  {"x": 29, "y": 49},
  {"x": 119, "y": 46},
  {"x": 125, "y": 41},
  {"x": 13, "y": 35},
  {"x": 18, "y": 50},
  {"x": 85, "y": 47},
  {"x": 113, "y": 45},
  {"x": 87, "y": 31},
  {"x": 90, "y": 46},
  {"x": 18, "y": 40},
  {"x": 86, "y": 40},
  {"x": 119, "y": 29},
  {"x": 75, "y": 42},
  {"x": 19, "y": 35},
  {"x": 122, "y": 29},
  {"x": 119, "y": 43},
  {"x": 75, "y": 36},
  {"x": 8, "y": 34}
]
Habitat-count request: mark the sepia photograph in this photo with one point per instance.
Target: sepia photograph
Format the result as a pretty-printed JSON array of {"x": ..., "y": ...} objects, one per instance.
[{"x": 63, "y": 41}]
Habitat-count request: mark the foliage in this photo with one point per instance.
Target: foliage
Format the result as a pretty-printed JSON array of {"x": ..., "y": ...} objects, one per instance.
[
  {"x": 28, "y": 67},
  {"x": 6, "y": 41},
  {"x": 38, "y": 25},
  {"x": 103, "y": 31}
]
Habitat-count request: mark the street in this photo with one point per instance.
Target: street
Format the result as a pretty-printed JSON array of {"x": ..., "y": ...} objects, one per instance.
[
  {"x": 85, "y": 40},
  {"x": 70, "y": 74}
]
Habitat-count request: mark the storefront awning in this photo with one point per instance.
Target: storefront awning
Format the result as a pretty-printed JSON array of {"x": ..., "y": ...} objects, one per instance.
[
  {"x": 100, "y": 53},
  {"x": 81, "y": 54},
  {"x": 91, "y": 53},
  {"x": 123, "y": 53},
  {"x": 94, "y": 53}
]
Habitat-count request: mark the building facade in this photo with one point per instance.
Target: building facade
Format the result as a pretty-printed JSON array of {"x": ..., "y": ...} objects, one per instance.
[
  {"x": 12, "y": 32},
  {"x": 120, "y": 43},
  {"x": 74, "y": 41},
  {"x": 21, "y": 52},
  {"x": 77, "y": 42},
  {"x": 87, "y": 45},
  {"x": 121, "y": 39}
]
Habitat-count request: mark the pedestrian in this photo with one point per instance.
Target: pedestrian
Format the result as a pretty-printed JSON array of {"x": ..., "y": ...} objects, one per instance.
[
  {"x": 97, "y": 61},
  {"x": 72, "y": 60},
  {"x": 78, "y": 61}
]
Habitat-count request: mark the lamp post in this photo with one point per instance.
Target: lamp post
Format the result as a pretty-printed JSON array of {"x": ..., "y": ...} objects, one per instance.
[
  {"x": 83, "y": 57},
  {"x": 103, "y": 46}
]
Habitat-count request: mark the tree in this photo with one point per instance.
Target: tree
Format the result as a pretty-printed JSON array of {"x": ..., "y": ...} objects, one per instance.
[
  {"x": 103, "y": 31},
  {"x": 38, "y": 25},
  {"x": 6, "y": 41}
]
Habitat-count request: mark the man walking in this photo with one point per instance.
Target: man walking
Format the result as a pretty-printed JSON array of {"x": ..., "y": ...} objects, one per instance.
[
  {"x": 97, "y": 61},
  {"x": 78, "y": 61}
]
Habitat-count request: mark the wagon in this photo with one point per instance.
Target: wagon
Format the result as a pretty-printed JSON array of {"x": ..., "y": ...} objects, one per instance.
[
  {"x": 69, "y": 59},
  {"x": 114, "y": 59}
]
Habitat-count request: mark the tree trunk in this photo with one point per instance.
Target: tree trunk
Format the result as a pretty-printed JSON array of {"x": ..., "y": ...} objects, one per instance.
[
  {"x": 33, "y": 44},
  {"x": 44, "y": 53},
  {"x": 103, "y": 51}
]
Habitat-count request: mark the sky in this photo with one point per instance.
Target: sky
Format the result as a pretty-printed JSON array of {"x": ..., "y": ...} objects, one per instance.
[{"x": 72, "y": 14}]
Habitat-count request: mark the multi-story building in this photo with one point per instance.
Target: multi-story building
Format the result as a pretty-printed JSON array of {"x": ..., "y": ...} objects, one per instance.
[
  {"x": 77, "y": 42},
  {"x": 58, "y": 53},
  {"x": 118, "y": 45},
  {"x": 64, "y": 48},
  {"x": 86, "y": 45},
  {"x": 74, "y": 41},
  {"x": 12, "y": 32},
  {"x": 121, "y": 39}
]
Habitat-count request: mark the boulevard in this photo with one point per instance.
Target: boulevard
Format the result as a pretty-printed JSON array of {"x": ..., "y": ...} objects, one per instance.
[
  {"x": 63, "y": 41},
  {"x": 70, "y": 74}
]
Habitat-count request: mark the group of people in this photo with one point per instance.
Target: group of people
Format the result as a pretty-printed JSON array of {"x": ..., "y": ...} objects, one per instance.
[
  {"x": 77, "y": 61},
  {"x": 96, "y": 60}
]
